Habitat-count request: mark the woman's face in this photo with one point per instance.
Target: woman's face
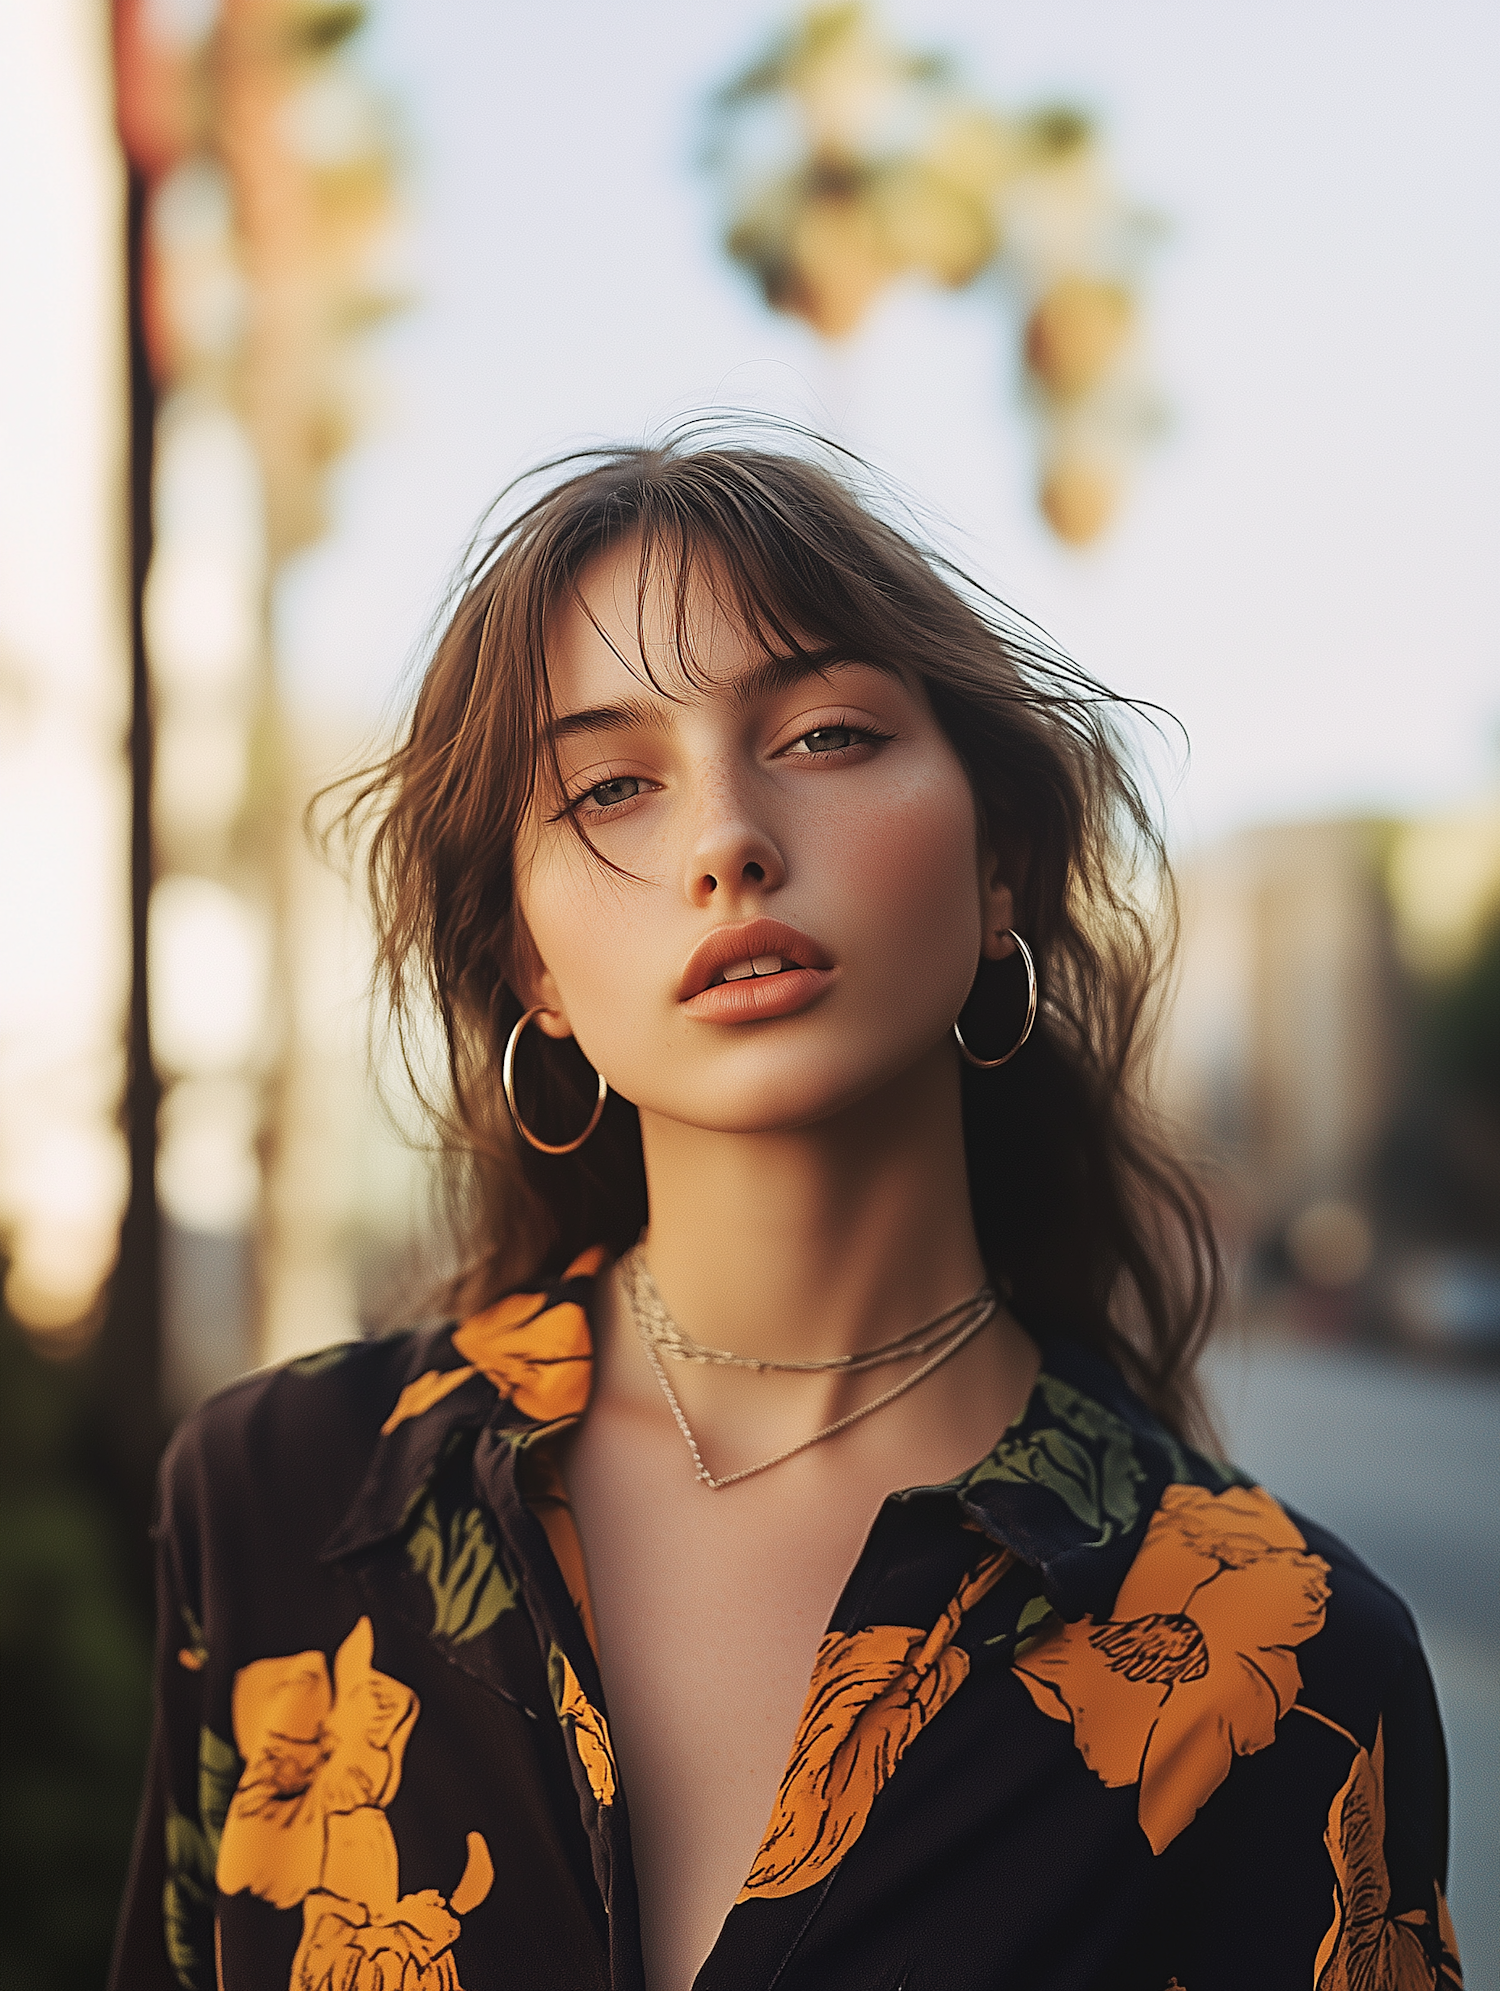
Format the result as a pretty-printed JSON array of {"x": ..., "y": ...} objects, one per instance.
[{"x": 806, "y": 898}]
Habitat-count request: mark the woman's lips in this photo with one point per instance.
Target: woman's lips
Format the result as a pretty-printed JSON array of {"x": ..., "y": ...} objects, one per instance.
[
  {"x": 721, "y": 984},
  {"x": 759, "y": 996}
]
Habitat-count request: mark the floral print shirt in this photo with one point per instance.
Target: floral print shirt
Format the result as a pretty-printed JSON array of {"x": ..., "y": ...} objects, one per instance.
[{"x": 1099, "y": 1715}]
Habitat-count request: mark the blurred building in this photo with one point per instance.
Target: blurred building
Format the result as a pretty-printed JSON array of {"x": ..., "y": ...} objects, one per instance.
[
  {"x": 1333, "y": 1048},
  {"x": 1286, "y": 1036}
]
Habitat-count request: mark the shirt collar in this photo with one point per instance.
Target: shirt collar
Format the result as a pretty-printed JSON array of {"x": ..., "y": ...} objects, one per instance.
[
  {"x": 1072, "y": 1484},
  {"x": 1069, "y": 1487},
  {"x": 522, "y": 1367}
]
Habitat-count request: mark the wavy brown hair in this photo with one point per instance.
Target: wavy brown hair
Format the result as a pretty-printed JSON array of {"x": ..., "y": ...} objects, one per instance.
[{"x": 1085, "y": 1216}]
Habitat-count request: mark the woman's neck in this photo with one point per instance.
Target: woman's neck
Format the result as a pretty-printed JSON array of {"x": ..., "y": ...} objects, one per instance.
[{"x": 821, "y": 1240}]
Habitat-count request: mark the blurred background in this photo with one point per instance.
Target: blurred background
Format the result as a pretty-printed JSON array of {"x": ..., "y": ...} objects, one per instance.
[{"x": 1179, "y": 326}]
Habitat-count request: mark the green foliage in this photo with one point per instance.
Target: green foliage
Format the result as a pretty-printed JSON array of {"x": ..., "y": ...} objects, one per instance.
[
  {"x": 1058, "y": 130},
  {"x": 75, "y": 1683},
  {"x": 320, "y": 28}
]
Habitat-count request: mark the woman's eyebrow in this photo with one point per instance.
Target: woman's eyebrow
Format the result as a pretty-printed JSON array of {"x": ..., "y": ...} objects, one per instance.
[
  {"x": 780, "y": 672},
  {"x": 758, "y": 680},
  {"x": 627, "y": 712}
]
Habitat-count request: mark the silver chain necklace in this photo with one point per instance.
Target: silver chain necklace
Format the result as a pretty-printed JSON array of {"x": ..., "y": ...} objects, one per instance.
[
  {"x": 658, "y": 1329},
  {"x": 651, "y": 1319}
]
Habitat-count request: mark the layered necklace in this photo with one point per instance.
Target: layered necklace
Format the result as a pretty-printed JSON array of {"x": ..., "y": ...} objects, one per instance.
[{"x": 936, "y": 1339}]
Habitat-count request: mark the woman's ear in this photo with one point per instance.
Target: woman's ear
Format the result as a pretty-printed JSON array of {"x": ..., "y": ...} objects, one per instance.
[
  {"x": 998, "y": 908},
  {"x": 553, "y": 1021},
  {"x": 534, "y": 983}
]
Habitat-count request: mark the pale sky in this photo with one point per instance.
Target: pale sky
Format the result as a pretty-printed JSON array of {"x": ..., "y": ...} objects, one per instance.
[{"x": 1306, "y": 570}]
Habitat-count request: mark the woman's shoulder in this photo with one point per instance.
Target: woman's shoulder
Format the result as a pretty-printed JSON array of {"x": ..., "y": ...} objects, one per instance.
[
  {"x": 339, "y": 1440},
  {"x": 1369, "y": 1639},
  {"x": 293, "y": 1442},
  {"x": 347, "y": 1382},
  {"x": 1134, "y": 1527}
]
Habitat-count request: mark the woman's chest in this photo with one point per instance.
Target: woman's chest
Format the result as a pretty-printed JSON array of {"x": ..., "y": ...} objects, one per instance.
[{"x": 710, "y": 1609}]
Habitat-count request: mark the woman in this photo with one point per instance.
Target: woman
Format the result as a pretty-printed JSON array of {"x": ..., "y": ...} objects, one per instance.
[{"x": 809, "y": 1469}]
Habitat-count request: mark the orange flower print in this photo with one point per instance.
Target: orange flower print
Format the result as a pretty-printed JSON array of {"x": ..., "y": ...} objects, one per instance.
[
  {"x": 872, "y": 1693},
  {"x": 313, "y": 1752},
  {"x": 1366, "y": 1947},
  {"x": 538, "y": 1357},
  {"x": 360, "y": 1933},
  {"x": 1196, "y": 1666},
  {"x": 428, "y": 1389},
  {"x": 589, "y": 1729}
]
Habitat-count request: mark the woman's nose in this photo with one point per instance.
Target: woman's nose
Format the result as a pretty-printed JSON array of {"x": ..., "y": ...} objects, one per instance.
[{"x": 732, "y": 855}]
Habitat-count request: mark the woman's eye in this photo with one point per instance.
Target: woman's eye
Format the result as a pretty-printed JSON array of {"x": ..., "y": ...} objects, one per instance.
[
  {"x": 827, "y": 740},
  {"x": 607, "y": 794}
]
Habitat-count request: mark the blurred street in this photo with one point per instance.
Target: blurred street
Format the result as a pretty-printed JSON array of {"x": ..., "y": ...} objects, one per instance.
[{"x": 1404, "y": 1463}]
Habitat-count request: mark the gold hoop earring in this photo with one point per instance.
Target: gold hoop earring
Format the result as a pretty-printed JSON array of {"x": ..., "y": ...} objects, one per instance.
[
  {"x": 508, "y": 1078},
  {"x": 990, "y": 1064}
]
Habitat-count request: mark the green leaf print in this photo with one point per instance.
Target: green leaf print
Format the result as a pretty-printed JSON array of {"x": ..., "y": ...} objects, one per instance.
[
  {"x": 219, "y": 1770},
  {"x": 469, "y": 1588},
  {"x": 1034, "y": 1624},
  {"x": 192, "y": 1846},
  {"x": 187, "y": 1902},
  {"x": 1087, "y": 1459}
]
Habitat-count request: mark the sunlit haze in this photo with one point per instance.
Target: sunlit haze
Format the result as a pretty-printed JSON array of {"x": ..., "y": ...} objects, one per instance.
[{"x": 1304, "y": 571}]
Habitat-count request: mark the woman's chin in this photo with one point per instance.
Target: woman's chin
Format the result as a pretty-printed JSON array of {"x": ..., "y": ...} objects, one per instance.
[{"x": 788, "y": 1096}]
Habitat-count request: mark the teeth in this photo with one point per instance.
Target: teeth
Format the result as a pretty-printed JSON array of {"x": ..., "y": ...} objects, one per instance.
[{"x": 763, "y": 964}]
